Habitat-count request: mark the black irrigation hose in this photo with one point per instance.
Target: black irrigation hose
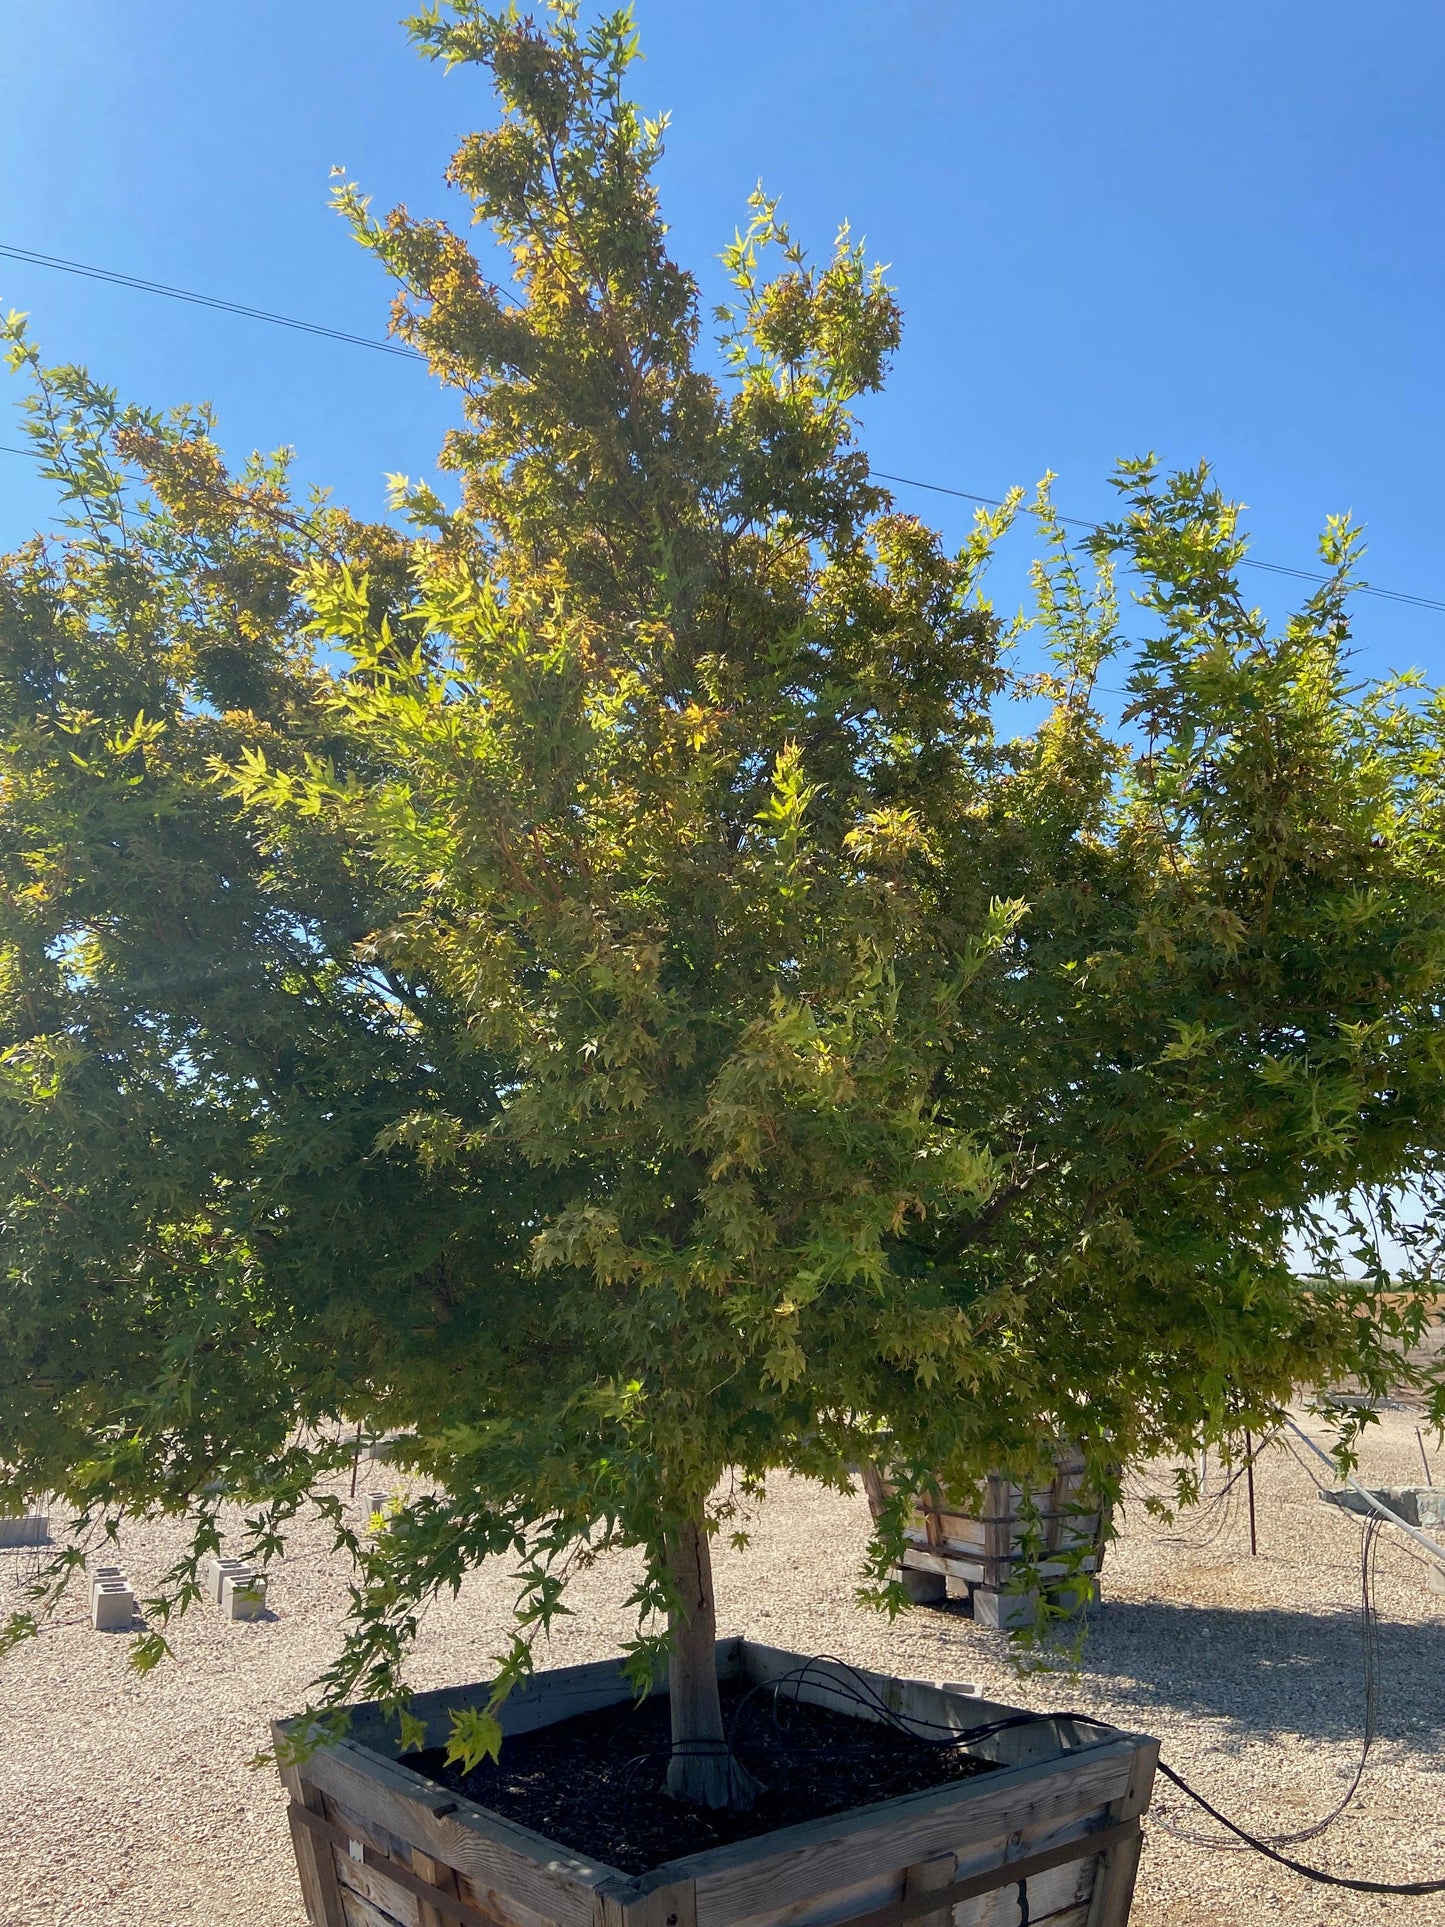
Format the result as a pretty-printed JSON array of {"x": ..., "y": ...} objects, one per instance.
[
  {"x": 1297, "y": 1866},
  {"x": 862, "y": 1693},
  {"x": 1370, "y": 1642}
]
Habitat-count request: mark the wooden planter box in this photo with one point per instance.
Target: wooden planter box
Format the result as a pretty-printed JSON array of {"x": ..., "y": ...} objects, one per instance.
[
  {"x": 377, "y": 1845},
  {"x": 976, "y": 1556}
]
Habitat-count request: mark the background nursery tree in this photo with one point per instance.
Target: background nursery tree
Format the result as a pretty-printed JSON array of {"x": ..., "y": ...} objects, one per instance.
[{"x": 608, "y": 985}]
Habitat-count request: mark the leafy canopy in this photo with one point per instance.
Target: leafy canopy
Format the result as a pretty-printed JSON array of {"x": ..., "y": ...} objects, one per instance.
[{"x": 608, "y": 984}]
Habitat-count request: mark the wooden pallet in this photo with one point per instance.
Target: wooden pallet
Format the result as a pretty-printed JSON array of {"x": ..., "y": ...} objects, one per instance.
[
  {"x": 377, "y": 1845},
  {"x": 978, "y": 1554}
]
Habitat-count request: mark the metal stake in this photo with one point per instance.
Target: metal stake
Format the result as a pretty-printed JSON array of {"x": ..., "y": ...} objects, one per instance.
[
  {"x": 1249, "y": 1484},
  {"x": 1420, "y": 1441}
]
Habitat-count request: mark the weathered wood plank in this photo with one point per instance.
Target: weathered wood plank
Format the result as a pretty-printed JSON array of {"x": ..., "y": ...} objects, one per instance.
[
  {"x": 390, "y": 1902},
  {"x": 1114, "y": 1889},
  {"x": 836, "y": 1906},
  {"x": 969, "y": 1819},
  {"x": 536, "y": 1702},
  {"x": 1056, "y": 1891},
  {"x": 1070, "y": 1917},
  {"x": 652, "y": 1900},
  {"x": 358, "y": 1825},
  {"x": 501, "y": 1906},
  {"x": 491, "y": 1852},
  {"x": 356, "y": 1848},
  {"x": 438, "y": 1875},
  {"x": 1056, "y": 1875},
  {"x": 358, "y": 1911},
  {"x": 315, "y": 1867},
  {"x": 927, "y": 1876},
  {"x": 992, "y": 1572}
]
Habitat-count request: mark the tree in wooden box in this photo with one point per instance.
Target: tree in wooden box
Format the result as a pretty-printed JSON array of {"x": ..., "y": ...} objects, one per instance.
[
  {"x": 1046, "y": 1830},
  {"x": 1002, "y": 1545},
  {"x": 598, "y": 984}
]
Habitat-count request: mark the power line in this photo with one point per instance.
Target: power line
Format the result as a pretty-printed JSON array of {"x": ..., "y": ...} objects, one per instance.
[
  {"x": 1246, "y": 561},
  {"x": 207, "y": 301},
  {"x": 90, "y": 273}
]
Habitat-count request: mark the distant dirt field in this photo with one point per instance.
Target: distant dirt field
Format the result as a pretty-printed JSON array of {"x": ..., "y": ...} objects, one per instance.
[{"x": 128, "y": 1803}]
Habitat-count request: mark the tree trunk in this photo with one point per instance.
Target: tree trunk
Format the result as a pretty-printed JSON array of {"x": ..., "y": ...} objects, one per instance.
[{"x": 701, "y": 1773}]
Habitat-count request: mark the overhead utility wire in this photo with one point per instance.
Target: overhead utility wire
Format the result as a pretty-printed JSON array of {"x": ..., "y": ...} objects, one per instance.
[
  {"x": 35, "y": 259},
  {"x": 1247, "y": 561},
  {"x": 207, "y": 301}
]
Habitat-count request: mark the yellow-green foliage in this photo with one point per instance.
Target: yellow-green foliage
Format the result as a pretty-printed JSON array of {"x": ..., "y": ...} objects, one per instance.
[{"x": 593, "y": 982}]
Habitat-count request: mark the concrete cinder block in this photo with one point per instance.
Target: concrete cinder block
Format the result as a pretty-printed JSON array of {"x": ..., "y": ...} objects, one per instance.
[
  {"x": 24, "y": 1529},
  {"x": 1082, "y": 1596},
  {"x": 1004, "y": 1609},
  {"x": 112, "y": 1606},
  {"x": 215, "y": 1574},
  {"x": 1009, "y": 1609},
  {"x": 376, "y": 1504},
  {"x": 103, "y": 1575},
  {"x": 923, "y": 1588},
  {"x": 1421, "y": 1506},
  {"x": 243, "y": 1595}
]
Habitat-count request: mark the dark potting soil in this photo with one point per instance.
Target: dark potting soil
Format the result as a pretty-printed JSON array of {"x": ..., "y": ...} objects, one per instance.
[{"x": 594, "y": 1783}]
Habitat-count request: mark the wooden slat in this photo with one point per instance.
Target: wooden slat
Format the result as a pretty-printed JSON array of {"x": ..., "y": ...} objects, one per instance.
[
  {"x": 1114, "y": 1888},
  {"x": 1076, "y": 1916},
  {"x": 735, "y": 1884},
  {"x": 878, "y": 1493},
  {"x": 1007, "y": 1873},
  {"x": 408, "y": 1884},
  {"x": 359, "y": 1911},
  {"x": 489, "y": 1851},
  {"x": 392, "y": 1873},
  {"x": 364, "y": 1826},
  {"x": 320, "y": 1894},
  {"x": 505, "y": 1908},
  {"x": 435, "y": 1874},
  {"x": 1051, "y": 1891},
  {"x": 652, "y": 1900},
  {"x": 539, "y": 1701},
  {"x": 956, "y": 1530},
  {"x": 927, "y": 1876},
  {"x": 978, "y": 1571},
  {"x": 383, "y": 1897}
]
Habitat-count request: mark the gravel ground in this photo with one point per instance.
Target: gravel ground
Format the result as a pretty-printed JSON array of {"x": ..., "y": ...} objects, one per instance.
[{"x": 129, "y": 1801}]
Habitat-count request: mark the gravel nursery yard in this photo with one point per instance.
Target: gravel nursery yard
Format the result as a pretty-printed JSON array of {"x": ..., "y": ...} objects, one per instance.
[{"x": 129, "y": 1801}]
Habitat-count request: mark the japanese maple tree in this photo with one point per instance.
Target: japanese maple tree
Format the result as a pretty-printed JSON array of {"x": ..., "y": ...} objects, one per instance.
[{"x": 623, "y": 979}]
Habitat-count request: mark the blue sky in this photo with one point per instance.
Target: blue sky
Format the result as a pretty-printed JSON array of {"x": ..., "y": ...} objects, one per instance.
[{"x": 1207, "y": 230}]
